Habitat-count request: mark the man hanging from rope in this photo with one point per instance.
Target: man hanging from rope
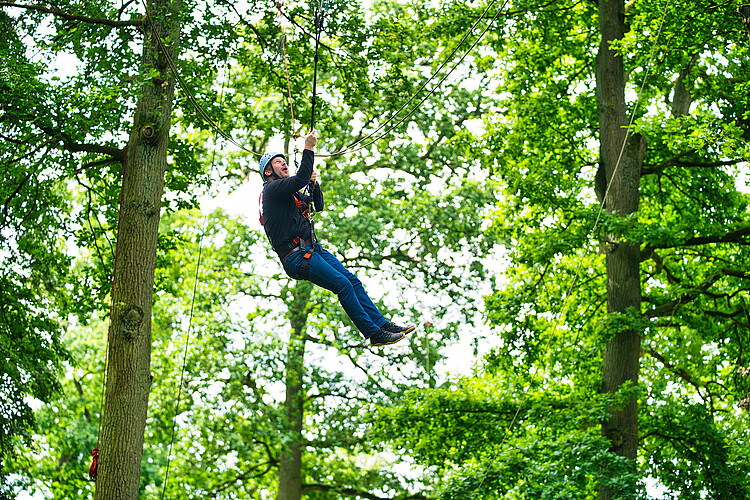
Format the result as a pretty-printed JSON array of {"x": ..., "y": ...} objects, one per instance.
[{"x": 284, "y": 216}]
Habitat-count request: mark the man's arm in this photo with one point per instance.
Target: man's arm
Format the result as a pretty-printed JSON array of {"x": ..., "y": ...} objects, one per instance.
[
  {"x": 281, "y": 188},
  {"x": 305, "y": 172},
  {"x": 311, "y": 140}
]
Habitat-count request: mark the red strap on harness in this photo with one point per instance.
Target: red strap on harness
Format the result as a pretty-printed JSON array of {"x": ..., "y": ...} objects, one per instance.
[{"x": 260, "y": 207}]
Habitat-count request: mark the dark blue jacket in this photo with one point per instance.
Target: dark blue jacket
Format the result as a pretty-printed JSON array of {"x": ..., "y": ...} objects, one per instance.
[{"x": 283, "y": 219}]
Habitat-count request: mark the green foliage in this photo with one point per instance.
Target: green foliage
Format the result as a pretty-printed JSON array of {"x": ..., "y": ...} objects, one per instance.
[
  {"x": 686, "y": 446},
  {"x": 35, "y": 284},
  {"x": 56, "y": 464},
  {"x": 504, "y": 152},
  {"x": 489, "y": 438},
  {"x": 62, "y": 128}
]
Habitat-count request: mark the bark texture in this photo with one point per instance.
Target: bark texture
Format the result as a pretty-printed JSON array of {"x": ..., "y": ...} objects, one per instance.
[
  {"x": 129, "y": 372},
  {"x": 619, "y": 176}
]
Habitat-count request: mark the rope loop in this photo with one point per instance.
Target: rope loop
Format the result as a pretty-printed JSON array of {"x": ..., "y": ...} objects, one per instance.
[{"x": 94, "y": 463}]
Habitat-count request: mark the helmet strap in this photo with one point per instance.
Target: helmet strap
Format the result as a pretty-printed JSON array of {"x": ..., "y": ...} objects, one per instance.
[{"x": 274, "y": 175}]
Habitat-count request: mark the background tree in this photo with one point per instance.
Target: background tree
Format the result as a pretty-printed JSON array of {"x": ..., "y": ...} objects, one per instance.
[
  {"x": 143, "y": 180},
  {"x": 128, "y": 373},
  {"x": 690, "y": 233}
]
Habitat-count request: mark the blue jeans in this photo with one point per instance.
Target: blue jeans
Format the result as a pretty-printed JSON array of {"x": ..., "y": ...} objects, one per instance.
[{"x": 326, "y": 271}]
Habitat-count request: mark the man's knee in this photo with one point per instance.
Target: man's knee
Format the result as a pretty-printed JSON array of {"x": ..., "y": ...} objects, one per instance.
[
  {"x": 334, "y": 282},
  {"x": 345, "y": 286},
  {"x": 355, "y": 282}
]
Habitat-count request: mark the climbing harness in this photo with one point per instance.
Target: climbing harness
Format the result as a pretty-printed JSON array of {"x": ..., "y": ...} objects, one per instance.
[
  {"x": 309, "y": 213},
  {"x": 306, "y": 209},
  {"x": 297, "y": 244}
]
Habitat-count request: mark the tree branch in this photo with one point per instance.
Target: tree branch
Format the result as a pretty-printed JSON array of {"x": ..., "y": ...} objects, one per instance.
[
  {"x": 6, "y": 205},
  {"x": 739, "y": 236},
  {"x": 353, "y": 492},
  {"x": 337, "y": 395},
  {"x": 735, "y": 272},
  {"x": 674, "y": 162},
  {"x": 75, "y": 147},
  {"x": 105, "y": 161},
  {"x": 73, "y": 17},
  {"x": 246, "y": 475},
  {"x": 670, "y": 307},
  {"x": 680, "y": 372}
]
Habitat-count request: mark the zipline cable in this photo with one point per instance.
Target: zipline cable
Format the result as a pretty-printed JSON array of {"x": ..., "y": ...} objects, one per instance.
[
  {"x": 577, "y": 274},
  {"x": 351, "y": 148},
  {"x": 181, "y": 82},
  {"x": 359, "y": 146}
]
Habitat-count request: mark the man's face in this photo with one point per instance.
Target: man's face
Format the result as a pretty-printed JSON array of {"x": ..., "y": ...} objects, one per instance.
[{"x": 279, "y": 167}]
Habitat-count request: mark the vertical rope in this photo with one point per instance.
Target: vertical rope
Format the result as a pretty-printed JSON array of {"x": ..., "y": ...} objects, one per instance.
[
  {"x": 319, "y": 11},
  {"x": 184, "y": 354},
  {"x": 190, "y": 321}
]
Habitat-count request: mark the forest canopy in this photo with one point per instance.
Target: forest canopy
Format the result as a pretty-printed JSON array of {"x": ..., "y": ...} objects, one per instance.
[{"x": 555, "y": 193}]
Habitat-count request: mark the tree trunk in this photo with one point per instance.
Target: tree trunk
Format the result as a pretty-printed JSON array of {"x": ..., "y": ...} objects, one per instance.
[
  {"x": 619, "y": 191},
  {"x": 129, "y": 372},
  {"x": 290, "y": 460},
  {"x": 744, "y": 11}
]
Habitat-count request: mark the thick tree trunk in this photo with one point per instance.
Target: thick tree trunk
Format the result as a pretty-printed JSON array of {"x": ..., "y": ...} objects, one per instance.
[
  {"x": 290, "y": 460},
  {"x": 129, "y": 372},
  {"x": 621, "y": 175}
]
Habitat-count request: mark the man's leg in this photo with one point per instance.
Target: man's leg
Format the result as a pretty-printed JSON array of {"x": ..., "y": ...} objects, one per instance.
[
  {"x": 364, "y": 299},
  {"x": 324, "y": 275}
]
